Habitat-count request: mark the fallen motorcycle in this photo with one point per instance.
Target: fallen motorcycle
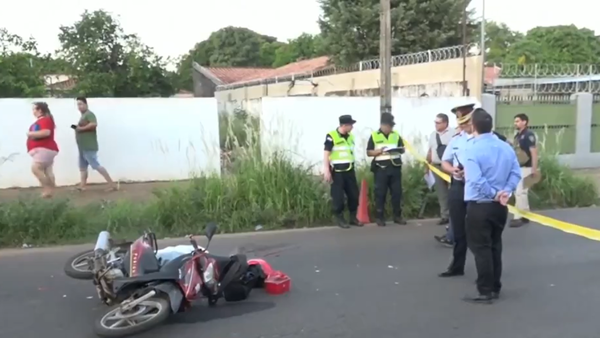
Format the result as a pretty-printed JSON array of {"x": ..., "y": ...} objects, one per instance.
[{"x": 144, "y": 289}]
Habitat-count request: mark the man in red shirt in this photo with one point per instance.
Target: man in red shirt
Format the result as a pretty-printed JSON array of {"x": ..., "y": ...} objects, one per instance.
[{"x": 42, "y": 147}]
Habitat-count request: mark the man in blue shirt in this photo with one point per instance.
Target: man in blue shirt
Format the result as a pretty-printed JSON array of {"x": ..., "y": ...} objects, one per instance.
[
  {"x": 492, "y": 173},
  {"x": 452, "y": 162}
]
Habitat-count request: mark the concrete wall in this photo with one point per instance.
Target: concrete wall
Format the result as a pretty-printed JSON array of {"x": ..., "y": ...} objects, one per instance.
[
  {"x": 440, "y": 74},
  {"x": 140, "y": 139},
  {"x": 297, "y": 126}
]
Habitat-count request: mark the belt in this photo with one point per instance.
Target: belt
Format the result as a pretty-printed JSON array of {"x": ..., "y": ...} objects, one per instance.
[{"x": 482, "y": 202}]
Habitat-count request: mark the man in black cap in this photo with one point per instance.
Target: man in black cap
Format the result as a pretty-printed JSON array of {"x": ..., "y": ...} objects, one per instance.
[
  {"x": 338, "y": 159},
  {"x": 386, "y": 147}
]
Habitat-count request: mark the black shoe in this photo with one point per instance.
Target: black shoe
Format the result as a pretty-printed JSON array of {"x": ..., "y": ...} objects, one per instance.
[
  {"x": 517, "y": 223},
  {"x": 443, "y": 221},
  {"x": 479, "y": 299},
  {"x": 341, "y": 222},
  {"x": 399, "y": 221},
  {"x": 495, "y": 295},
  {"x": 443, "y": 240},
  {"x": 380, "y": 222},
  {"x": 450, "y": 273},
  {"x": 354, "y": 221}
]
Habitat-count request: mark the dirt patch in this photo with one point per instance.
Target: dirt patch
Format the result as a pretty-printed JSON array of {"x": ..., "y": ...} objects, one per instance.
[{"x": 138, "y": 192}]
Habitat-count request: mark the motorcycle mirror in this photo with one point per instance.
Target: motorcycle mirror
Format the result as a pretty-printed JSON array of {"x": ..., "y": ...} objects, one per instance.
[
  {"x": 193, "y": 242},
  {"x": 209, "y": 232}
]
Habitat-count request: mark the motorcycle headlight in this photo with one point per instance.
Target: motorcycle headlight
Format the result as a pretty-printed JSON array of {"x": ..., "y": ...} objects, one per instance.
[{"x": 209, "y": 274}]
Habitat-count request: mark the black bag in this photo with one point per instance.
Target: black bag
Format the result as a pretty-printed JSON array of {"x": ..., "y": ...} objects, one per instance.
[{"x": 440, "y": 147}]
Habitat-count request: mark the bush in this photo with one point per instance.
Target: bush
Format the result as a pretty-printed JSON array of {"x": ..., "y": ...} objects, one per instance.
[{"x": 273, "y": 194}]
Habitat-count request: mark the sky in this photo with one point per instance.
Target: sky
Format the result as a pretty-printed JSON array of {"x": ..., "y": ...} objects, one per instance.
[{"x": 173, "y": 28}]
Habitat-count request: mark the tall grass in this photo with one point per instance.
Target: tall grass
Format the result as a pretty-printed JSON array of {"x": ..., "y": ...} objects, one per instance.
[{"x": 273, "y": 193}]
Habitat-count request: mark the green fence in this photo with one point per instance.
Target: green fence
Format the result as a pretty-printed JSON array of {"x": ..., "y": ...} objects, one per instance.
[{"x": 554, "y": 123}]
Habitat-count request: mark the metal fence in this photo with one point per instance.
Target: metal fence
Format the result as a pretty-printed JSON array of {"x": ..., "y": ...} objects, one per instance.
[
  {"x": 433, "y": 55},
  {"x": 545, "y": 92}
]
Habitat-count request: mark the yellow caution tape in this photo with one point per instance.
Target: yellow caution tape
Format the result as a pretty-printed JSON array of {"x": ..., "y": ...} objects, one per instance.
[{"x": 570, "y": 228}]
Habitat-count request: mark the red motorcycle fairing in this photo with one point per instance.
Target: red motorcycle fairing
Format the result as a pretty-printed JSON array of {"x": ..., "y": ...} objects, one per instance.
[
  {"x": 266, "y": 267},
  {"x": 141, "y": 259},
  {"x": 190, "y": 279}
]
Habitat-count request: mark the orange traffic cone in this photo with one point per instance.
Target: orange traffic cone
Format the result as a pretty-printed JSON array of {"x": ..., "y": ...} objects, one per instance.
[{"x": 363, "y": 204}]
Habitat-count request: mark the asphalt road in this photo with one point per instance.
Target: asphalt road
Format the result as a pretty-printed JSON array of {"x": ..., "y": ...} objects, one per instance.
[{"x": 378, "y": 282}]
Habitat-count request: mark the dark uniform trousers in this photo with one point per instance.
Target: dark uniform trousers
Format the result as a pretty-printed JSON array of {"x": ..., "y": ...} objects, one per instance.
[
  {"x": 388, "y": 177},
  {"x": 485, "y": 224},
  {"x": 458, "y": 212},
  {"x": 344, "y": 182}
]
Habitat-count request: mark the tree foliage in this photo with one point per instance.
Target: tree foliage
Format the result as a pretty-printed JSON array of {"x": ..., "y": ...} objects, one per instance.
[
  {"x": 20, "y": 69},
  {"x": 108, "y": 62},
  {"x": 557, "y": 45},
  {"x": 242, "y": 47},
  {"x": 350, "y": 28},
  {"x": 499, "y": 39}
]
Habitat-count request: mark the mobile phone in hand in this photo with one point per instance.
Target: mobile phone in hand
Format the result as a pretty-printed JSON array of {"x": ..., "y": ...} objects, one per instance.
[{"x": 73, "y": 127}]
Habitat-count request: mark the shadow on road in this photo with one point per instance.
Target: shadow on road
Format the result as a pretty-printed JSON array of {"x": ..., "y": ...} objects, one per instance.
[{"x": 201, "y": 314}]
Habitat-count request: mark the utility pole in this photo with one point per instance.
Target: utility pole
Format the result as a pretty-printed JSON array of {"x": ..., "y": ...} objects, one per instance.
[
  {"x": 464, "y": 47},
  {"x": 385, "y": 57},
  {"x": 482, "y": 46}
]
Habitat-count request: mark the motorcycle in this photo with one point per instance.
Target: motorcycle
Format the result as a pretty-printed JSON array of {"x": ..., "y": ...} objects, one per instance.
[{"x": 143, "y": 290}]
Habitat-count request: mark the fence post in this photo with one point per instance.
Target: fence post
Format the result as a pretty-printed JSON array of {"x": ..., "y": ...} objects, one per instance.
[
  {"x": 488, "y": 102},
  {"x": 583, "y": 123}
]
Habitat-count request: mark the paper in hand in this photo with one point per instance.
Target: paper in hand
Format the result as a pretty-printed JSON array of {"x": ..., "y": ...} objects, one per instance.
[{"x": 393, "y": 149}]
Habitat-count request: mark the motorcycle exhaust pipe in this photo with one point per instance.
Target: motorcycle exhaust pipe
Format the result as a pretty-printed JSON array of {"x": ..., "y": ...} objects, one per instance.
[
  {"x": 103, "y": 242},
  {"x": 134, "y": 303}
]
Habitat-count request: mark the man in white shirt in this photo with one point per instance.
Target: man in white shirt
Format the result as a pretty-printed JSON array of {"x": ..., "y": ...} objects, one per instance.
[{"x": 438, "y": 140}]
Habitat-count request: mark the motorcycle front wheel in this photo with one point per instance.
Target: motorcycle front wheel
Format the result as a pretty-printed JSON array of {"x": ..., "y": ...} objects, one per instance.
[{"x": 116, "y": 323}]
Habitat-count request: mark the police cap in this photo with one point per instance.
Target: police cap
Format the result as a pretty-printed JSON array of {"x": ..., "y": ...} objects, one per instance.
[
  {"x": 388, "y": 119},
  {"x": 347, "y": 119},
  {"x": 466, "y": 105}
]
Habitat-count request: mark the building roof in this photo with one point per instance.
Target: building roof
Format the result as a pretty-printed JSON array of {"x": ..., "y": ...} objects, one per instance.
[{"x": 230, "y": 75}]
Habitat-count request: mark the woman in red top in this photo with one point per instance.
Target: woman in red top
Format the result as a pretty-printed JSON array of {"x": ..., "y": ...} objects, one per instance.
[{"x": 42, "y": 147}]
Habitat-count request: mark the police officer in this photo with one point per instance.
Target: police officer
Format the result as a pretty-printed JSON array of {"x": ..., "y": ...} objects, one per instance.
[
  {"x": 339, "y": 170},
  {"x": 386, "y": 147},
  {"x": 525, "y": 147},
  {"x": 492, "y": 173},
  {"x": 453, "y": 161}
]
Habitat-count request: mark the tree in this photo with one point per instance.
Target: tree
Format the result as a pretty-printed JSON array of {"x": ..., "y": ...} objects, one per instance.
[
  {"x": 20, "y": 69},
  {"x": 557, "y": 45},
  {"x": 229, "y": 47},
  {"x": 304, "y": 47},
  {"x": 499, "y": 38},
  {"x": 350, "y": 28},
  {"x": 108, "y": 62}
]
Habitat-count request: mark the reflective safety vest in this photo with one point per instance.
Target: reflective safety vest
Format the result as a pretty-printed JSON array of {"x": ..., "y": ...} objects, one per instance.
[
  {"x": 380, "y": 141},
  {"x": 343, "y": 150}
]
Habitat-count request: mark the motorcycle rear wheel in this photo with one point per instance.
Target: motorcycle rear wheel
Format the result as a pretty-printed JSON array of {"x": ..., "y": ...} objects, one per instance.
[
  {"x": 134, "y": 321},
  {"x": 76, "y": 268}
]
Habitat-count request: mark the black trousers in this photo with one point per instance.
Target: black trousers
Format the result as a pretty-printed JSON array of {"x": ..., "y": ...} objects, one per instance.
[
  {"x": 388, "y": 178},
  {"x": 485, "y": 224},
  {"x": 344, "y": 183},
  {"x": 458, "y": 212}
]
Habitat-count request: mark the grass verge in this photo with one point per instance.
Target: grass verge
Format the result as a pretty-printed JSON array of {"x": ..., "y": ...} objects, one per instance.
[{"x": 274, "y": 194}]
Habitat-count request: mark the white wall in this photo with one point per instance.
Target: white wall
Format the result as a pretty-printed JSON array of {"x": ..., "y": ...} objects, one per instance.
[
  {"x": 140, "y": 139},
  {"x": 298, "y": 125}
]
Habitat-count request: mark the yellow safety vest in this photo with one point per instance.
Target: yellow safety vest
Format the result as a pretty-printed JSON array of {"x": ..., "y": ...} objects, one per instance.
[
  {"x": 343, "y": 150},
  {"x": 380, "y": 141}
]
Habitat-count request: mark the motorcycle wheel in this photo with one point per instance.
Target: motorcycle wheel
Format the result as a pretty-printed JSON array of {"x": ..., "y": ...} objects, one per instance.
[
  {"x": 76, "y": 267},
  {"x": 145, "y": 316}
]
